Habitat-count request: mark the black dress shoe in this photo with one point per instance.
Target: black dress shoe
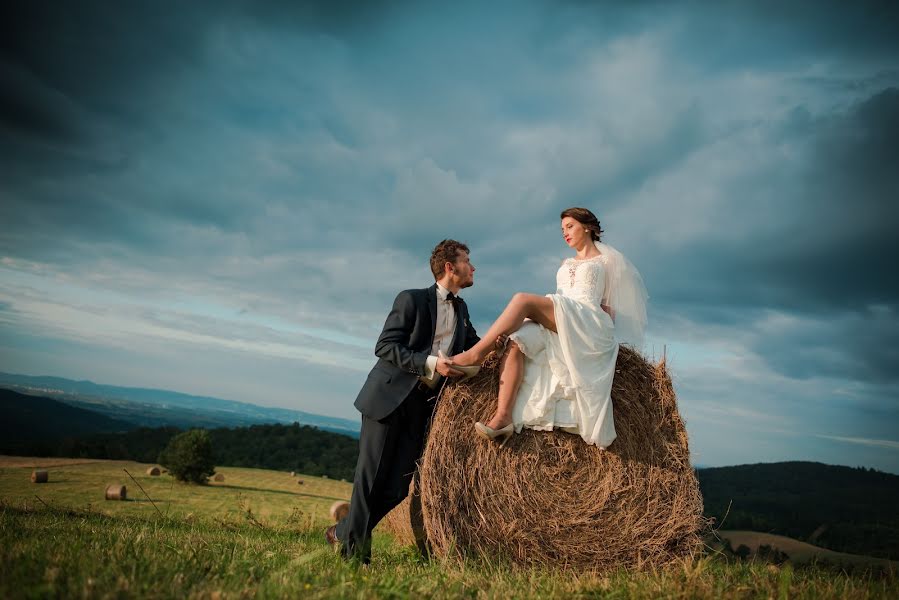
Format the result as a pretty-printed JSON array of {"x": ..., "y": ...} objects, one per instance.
[{"x": 331, "y": 537}]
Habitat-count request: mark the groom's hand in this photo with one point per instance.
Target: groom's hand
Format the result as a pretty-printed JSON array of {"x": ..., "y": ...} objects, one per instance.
[
  {"x": 445, "y": 368},
  {"x": 500, "y": 345}
]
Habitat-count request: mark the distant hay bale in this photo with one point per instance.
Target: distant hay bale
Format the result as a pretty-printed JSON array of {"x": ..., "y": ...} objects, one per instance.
[
  {"x": 153, "y": 471},
  {"x": 299, "y": 481},
  {"x": 550, "y": 499},
  {"x": 324, "y": 476},
  {"x": 219, "y": 477},
  {"x": 116, "y": 492},
  {"x": 339, "y": 510},
  {"x": 40, "y": 477},
  {"x": 293, "y": 474}
]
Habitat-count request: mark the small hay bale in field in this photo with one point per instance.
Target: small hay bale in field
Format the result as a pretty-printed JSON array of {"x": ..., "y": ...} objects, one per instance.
[
  {"x": 293, "y": 473},
  {"x": 339, "y": 510},
  {"x": 219, "y": 477},
  {"x": 550, "y": 499},
  {"x": 40, "y": 477},
  {"x": 299, "y": 482},
  {"x": 153, "y": 471},
  {"x": 116, "y": 492}
]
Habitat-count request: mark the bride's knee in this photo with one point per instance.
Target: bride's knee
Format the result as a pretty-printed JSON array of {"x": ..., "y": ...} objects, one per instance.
[{"x": 520, "y": 299}]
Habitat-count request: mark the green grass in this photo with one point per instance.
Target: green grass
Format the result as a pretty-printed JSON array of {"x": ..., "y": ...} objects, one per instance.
[{"x": 260, "y": 537}]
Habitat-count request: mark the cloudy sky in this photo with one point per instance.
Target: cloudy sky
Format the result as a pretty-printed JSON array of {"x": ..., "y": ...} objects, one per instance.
[{"x": 223, "y": 198}]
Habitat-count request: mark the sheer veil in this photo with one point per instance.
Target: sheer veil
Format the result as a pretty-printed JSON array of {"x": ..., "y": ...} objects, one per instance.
[{"x": 626, "y": 296}]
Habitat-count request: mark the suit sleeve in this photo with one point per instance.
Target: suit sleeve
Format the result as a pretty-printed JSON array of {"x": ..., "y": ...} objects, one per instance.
[
  {"x": 393, "y": 343},
  {"x": 471, "y": 336}
]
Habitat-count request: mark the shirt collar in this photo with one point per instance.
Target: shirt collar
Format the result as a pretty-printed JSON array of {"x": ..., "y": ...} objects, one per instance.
[{"x": 442, "y": 293}]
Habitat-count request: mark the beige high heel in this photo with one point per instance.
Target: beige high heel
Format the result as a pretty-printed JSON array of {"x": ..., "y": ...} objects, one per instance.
[
  {"x": 467, "y": 372},
  {"x": 495, "y": 434}
]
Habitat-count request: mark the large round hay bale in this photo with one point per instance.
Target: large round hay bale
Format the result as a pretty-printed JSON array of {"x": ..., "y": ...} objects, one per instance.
[
  {"x": 153, "y": 471},
  {"x": 550, "y": 499},
  {"x": 40, "y": 477},
  {"x": 116, "y": 492},
  {"x": 219, "y": 477}
]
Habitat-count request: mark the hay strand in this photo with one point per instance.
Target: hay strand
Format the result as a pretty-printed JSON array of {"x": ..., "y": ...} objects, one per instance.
[
  {"x": 548, "y": 498},
  {"x": 339, "y": 510}
]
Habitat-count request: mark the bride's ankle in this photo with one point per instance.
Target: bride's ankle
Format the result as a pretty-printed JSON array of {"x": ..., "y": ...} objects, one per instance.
[{"x": 498, "y": 422}]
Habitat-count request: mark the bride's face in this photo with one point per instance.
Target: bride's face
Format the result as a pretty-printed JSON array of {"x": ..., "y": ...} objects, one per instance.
[{"x": 574, "y": 233}]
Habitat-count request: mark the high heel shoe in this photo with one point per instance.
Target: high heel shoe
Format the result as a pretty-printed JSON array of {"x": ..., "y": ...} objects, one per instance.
[
  {"x": 495, "y": 434},
  {"x": 467, "y": 372}
]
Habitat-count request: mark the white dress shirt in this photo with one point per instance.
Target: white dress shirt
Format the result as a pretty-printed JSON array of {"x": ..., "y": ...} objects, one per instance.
[{"x": 444, "y": 331}]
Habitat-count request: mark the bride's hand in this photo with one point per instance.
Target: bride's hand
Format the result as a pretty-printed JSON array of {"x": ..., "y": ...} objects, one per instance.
[{"x": 445, "y": 368}]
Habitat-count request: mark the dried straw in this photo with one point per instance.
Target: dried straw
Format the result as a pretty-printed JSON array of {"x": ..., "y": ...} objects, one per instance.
[
  {"x": 339, "y": 510},
  {"x": 548, "y": 498},
  {"x": 40, "y": 476},
  {"x": 116, "y": 492}
]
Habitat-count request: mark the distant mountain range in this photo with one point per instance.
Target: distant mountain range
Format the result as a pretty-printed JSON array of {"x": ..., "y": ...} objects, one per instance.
[{"x": 147, "y": 407}]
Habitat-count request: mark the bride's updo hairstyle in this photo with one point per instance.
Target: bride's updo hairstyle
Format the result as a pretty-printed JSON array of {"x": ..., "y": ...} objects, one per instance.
[{"x": 586, "y": 218}]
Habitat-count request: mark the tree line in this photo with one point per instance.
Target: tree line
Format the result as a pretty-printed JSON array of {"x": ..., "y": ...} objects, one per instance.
[{"x": 280, "y": 447}]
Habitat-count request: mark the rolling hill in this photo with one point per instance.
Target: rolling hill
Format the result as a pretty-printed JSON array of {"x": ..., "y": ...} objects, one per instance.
[
  {"x": 149, "y": 407},
  {"x": 840, "y": 508},
  {"x": 32, "y": 419}
]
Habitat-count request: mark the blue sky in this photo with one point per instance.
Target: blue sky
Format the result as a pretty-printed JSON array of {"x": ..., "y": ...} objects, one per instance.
[{"x": 224, "y": 199}]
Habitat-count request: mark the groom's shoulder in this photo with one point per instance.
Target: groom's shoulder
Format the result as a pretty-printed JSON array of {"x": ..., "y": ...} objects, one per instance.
[{"x": 414, "y": 294}]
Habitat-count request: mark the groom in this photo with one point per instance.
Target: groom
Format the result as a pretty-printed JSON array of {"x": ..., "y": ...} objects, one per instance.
[{"x": 397, "y": 400}]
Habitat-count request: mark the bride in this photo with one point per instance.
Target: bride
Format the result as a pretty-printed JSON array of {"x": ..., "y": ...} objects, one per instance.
[{"x": 558, "y": 368}]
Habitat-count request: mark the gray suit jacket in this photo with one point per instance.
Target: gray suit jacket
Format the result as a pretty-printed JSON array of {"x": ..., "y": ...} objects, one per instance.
[{"x": 403, "y": 349}]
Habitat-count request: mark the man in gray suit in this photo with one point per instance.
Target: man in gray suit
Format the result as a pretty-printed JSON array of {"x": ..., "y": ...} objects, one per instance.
[{"x": 397, "y": 400}]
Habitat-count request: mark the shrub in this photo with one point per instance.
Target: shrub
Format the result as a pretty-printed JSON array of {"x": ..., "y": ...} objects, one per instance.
[{"x": 188, "y": 456}]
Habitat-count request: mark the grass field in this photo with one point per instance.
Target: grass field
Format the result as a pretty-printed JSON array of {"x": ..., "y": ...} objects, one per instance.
[{"x": 259, "y": 534}]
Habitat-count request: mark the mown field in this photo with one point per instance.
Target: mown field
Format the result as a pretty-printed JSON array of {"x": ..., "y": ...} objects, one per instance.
[{"x": 259, "y": 534}]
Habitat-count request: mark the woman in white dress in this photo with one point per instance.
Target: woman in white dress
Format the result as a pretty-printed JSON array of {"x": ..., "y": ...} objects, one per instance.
[{"x": 558, "y": 368}]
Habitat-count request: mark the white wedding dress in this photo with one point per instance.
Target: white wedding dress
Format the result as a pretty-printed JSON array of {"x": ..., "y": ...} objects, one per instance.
[{"x": 568, "y": 375}]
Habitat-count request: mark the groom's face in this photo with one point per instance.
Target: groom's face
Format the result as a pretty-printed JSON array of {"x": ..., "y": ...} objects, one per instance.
[{"x": 463, "y": 271}]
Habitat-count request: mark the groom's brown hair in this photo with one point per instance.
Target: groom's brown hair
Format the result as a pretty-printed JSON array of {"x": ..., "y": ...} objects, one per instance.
[{"x": 444, "y": 252}]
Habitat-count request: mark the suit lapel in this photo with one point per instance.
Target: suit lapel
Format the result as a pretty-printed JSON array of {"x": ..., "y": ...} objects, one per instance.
[{"x": 432, "y": 307}]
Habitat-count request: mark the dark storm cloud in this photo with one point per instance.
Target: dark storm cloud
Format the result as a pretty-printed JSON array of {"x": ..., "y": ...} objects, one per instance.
[
  {"x": 824, "y": 251},
  {"x": 828, "y": 242}
]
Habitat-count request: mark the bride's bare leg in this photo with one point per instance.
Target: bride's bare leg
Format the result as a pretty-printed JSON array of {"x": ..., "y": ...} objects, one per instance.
[
  {"x": 511, "y": 370},
  {"x": 522, "y": 306}
]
